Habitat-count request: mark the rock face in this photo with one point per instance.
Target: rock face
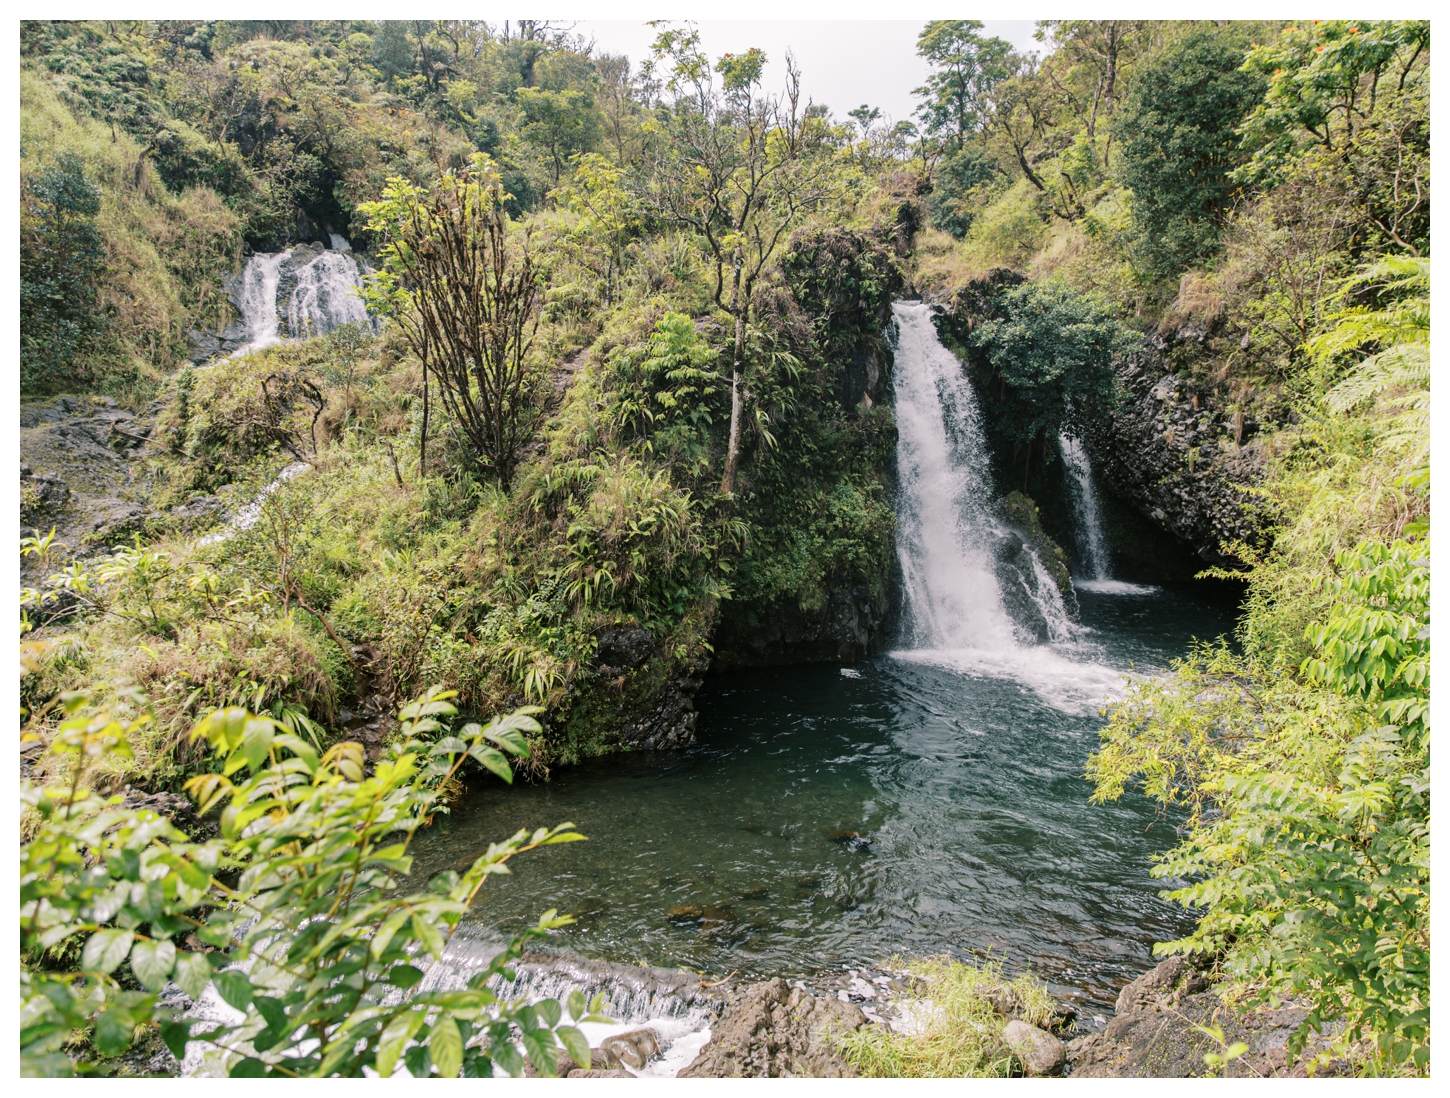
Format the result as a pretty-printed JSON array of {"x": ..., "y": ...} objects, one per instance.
[
  {"x": 1155, "y": 1034},
  {"x": 1178, "y": 459},
  {"x": 850, "y": 626},
  {"x": 773, "y": 1030}
]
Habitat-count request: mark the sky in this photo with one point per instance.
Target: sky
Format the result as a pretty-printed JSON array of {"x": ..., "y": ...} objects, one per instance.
[{"x": 843, "y": 63}]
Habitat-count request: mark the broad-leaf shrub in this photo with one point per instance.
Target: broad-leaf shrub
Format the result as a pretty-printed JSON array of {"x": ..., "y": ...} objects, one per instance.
[
  {"x": 297, "y": 915},
  {"x": 1309, "y": 845}
]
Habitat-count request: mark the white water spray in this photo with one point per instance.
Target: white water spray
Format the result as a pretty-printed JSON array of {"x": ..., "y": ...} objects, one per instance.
[{"x": 320, "y": 294}]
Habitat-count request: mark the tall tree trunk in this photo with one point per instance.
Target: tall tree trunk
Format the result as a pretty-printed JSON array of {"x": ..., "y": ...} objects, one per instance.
[{"x": 732, "y": 451}]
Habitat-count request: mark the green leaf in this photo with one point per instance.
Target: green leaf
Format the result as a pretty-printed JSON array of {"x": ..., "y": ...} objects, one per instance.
[
  {"x": 404, "y": 976},
  {"x": 192, "y": 973},
  {"x": 152, "y": 963},
  {"x": 234, "y": 988},
  {"x": 449, "y": 745},
  {"x": 576, "y": 1005},
  {"x": 272, "y": 1011},
  {"x": 379, "y": 944},
  {"x": 175, "y": 1034},
  {"x": 493, "y": 760},
  {"x": 549, "y": 1010},
  {"x": 113, "y": 1031},
  {"x": 396, "y": 1034},
  {"x": 257, "y": 741},
  {"x": 106, "y": 949},
  {"x": 445, "y": 1046},
  {"x": 248, "y": 1068},
  {"x": 575, "y": 1041}
]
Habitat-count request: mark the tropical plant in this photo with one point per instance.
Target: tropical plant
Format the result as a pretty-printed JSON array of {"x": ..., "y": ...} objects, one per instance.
[{"x": 295, "y": 916}]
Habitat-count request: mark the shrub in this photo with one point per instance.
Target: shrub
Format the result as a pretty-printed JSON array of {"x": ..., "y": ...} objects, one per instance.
[{"x": 293, "y": 915}]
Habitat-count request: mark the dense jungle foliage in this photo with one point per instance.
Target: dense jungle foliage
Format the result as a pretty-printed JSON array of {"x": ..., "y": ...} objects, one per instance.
[{"x": 703, "y": 270}]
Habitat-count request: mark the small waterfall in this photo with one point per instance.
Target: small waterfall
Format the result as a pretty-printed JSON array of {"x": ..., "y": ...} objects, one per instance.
[
  {"x": 339, "y": 242},
  {"x": 258, "y": 298},
  {"x": 1094, "y": 546},
  {"x": 977, "y": 598},
  {"x": 325, "y": 296},
  {"x": 1096, "y": 556},
  {"x": 302, "y": 292}
]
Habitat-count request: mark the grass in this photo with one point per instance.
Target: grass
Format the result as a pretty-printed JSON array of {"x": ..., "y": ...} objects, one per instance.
[{"x": 955, "y": 1028}]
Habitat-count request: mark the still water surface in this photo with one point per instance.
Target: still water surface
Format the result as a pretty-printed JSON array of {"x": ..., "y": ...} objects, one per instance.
[{"x": 920, "y": 802}]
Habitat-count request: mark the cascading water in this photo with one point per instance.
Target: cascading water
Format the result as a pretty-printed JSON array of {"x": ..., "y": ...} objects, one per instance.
[
  {"x": 258, "y": 298},
  {"x": 1095, "y": 553},
  {"x": 1094, "y": 546},
  {"x": 962, "y": 571},
  {"x": 325, "y": 296},
  {"x": 296, "y": 294}
]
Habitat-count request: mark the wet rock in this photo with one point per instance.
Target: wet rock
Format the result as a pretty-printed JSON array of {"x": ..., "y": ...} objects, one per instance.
[
  {"x": 773, "y": 1030},
  {"x": 1190, "y": 470},
  {"x": 1159, "y": 1032},
  {"x": 627, "y": 648},
  {"x": 633, "y": 1049},
  {"x": 174, "y": 807},
  {"x": 115, "y": 522},
  {"x": 1040, "y": 1052},
  {"x": 668, "y": 722},
  {"x": 591, "y": 1073},
  {"x": 852, "y": 840},
  {"x": 849, "y": 624},
  {"x": 686, "y": 913},
  {"x": 199, "y": 513},
  {"x": 1161, "y": 986}
]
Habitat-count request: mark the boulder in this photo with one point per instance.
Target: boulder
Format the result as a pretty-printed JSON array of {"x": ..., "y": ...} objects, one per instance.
[
  {"x": 1040, "y": 1052},
  {"x": 774, "y": 1030},
  {"x": 633, "y": 1049}
]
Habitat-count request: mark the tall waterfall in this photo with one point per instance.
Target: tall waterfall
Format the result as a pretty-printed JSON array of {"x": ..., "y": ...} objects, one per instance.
[
  {"x": 304, "y": 291},
  {"x": 1094, "y": 546},
  {"x": 977, "y": 599}
]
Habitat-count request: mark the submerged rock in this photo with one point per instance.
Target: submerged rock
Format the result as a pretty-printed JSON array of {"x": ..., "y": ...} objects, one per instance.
[
  {"x": 633, "y": 1049},
  {"x": 773, "y": 1030}
]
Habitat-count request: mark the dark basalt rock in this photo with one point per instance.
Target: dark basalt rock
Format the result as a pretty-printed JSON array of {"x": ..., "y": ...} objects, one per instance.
[
  {"x": 668, "y": 722},
  {"x": 1159, "y": 1032},
  {"x": 1180, "y": 459},
  {"x": 847, "y": 628},
  {"x": 628, "y": 647},
  {"x": 774, "y": 1030}
]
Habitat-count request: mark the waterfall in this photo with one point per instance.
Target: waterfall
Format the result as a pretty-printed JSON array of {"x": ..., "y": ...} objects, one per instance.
[
  {"x": 325, "y": 296},
  {"x": 304, "y": 291},
  {"x": 1096, "y": 556},
  {"x": 977, "y": 598},
  {"x": 1094, "y": 548},
  {"x": 258, "y": 298}
]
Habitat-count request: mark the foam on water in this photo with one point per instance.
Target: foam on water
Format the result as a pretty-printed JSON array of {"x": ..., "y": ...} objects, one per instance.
[{"x": 1116, "y": 587}]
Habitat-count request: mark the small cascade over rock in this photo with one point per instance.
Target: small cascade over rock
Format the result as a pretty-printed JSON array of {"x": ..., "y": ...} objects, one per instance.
[
  {"x": 304, "y": 291},
  {"x": 1096, "y": 554},
  {"x": 1093, "y": 545}
]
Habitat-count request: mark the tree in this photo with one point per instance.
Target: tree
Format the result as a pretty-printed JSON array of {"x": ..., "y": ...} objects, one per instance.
[
  {"x": 966, "y": 67},
  {"x": 1180, "y": 145},
  {"x": 60, "y": 248},
  {"x": 738, "y": 168},
  {"x": 466, "y": 297}
]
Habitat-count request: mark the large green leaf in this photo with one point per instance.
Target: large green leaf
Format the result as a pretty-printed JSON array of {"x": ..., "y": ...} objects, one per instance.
[
  {"x": 106, "y": 949},
  {"x": 152, "y": 963}
]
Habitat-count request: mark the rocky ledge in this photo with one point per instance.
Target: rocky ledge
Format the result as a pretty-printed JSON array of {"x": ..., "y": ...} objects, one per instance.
[{"x": 1179, "y": 457}]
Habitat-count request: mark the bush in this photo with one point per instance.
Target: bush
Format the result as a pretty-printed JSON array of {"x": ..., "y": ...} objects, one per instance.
[{"x": 293, "y": 915}]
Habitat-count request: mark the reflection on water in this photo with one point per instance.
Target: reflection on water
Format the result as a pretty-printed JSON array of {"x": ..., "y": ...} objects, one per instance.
[{"x": 918, "y": 805}]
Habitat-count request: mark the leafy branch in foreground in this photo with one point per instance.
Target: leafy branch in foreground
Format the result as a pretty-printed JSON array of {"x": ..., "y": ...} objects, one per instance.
[{"x": 295, "y": 916}]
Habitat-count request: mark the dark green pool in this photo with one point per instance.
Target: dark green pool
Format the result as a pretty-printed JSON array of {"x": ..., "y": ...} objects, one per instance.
[{"x": 915, "y": 803}]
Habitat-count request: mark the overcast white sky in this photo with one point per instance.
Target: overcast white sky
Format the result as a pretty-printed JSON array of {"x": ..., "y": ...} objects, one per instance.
[{"x": 843, "y": 63}]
